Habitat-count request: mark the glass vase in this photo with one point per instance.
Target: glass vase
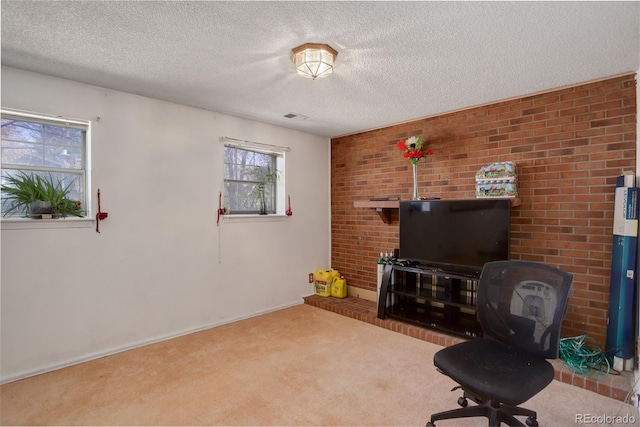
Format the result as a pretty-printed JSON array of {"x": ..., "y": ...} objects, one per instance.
[{"x": 414, "y": 167}]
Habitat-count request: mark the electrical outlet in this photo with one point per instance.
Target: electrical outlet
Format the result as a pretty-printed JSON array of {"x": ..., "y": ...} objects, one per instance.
[{"x": 310, "y": 277}]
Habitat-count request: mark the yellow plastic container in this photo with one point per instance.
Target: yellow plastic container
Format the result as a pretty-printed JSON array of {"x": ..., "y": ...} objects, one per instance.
[
  {"x": 334, "y": 273},
  {"x": 339, "y": 287},
  {"x": 324, "y": 280}
]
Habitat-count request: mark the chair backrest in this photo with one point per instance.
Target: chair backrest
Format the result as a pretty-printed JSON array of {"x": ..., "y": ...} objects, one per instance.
[{"x": 522, "y": 304}]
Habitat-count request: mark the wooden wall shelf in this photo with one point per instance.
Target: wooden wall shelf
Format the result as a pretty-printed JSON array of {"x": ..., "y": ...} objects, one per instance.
[{"x": 385, "y": 208}]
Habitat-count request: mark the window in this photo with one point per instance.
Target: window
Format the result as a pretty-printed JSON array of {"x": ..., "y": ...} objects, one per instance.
[
  {"x": 50, "y": 147},
  {"x": 249, "y": 170}
]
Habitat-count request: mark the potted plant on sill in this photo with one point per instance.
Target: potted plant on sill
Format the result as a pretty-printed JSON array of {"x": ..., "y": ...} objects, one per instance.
[
  {"x": 264, "y": 176},
  {"x": 38, "y": 197}
]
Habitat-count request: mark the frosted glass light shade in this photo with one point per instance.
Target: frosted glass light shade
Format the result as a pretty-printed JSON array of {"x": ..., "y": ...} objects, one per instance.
[{"x": 314, "y": 60}]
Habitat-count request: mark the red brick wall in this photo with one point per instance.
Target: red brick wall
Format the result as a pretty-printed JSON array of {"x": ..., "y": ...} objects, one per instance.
[{"x": 569, "y": 146}]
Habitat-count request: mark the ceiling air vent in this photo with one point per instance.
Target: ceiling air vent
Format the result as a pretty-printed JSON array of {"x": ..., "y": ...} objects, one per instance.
[{"x": 295, "y": 116}]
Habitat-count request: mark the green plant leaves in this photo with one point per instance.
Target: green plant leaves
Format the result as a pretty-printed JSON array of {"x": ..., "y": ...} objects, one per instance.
[{"x": 23, "y": 188}]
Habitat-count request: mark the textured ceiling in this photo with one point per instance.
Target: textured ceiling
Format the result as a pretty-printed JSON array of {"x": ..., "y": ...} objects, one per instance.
[{"x": 397, "y": 61}]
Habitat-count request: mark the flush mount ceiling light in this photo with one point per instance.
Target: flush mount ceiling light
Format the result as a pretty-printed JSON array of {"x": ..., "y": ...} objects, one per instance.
[{"x": 314, "y": 60}]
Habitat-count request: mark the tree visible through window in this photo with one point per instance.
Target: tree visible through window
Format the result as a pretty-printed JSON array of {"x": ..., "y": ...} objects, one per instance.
[
  {"x": 46, "y": 147},
  {"x": 244, "y": 172}
]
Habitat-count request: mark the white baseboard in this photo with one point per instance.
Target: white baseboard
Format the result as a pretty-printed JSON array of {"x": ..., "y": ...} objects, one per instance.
[{"x": 112, "y": 351}]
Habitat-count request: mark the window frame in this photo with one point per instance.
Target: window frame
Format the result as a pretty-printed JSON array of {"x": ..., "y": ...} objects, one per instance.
[
  {"x": 84, "y": 172},
  {"x": 279, "y": 163}
]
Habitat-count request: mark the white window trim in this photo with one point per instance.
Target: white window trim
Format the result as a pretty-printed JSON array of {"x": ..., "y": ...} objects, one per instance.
[
  {"x": 16, "y": 223},
  {"x": 254, "y": 146},
  {"x": 280, "y": 184},
  {"x": 253, "y": 218},
  {"x": 34, "y": 224}
]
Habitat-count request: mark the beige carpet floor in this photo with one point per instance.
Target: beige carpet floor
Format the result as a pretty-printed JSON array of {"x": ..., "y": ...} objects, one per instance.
[{"x": 297, "y": 366}]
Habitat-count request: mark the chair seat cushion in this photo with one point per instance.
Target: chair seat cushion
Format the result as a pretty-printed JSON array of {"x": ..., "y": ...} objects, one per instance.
[{"x": 492, "y": 370}]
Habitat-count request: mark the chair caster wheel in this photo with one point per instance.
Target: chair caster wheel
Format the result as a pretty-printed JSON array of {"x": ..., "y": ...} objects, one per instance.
[
  {"x": 430, "y": 424},
  {"x": 532, "y": 422},
  {"x": 462, "y": 402}
]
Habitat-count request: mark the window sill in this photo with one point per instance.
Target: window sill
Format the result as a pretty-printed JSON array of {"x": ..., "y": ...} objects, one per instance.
[
  {"x": 253, "y": 218},
  {"x": 32, "y": 224}
]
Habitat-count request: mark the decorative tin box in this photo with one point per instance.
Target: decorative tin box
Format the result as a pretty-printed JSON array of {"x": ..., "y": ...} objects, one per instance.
[{"x": 497, "y": 180}]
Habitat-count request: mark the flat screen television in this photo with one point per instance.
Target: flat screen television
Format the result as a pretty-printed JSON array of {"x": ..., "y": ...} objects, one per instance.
[{"x": 456, "y": 235}]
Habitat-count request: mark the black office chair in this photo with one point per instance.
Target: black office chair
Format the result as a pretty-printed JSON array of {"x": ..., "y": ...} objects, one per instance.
[{"x": 520, "y": 306}]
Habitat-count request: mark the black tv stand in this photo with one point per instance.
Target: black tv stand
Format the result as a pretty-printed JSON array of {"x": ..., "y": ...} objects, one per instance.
[{"x": 430, "y": 297}]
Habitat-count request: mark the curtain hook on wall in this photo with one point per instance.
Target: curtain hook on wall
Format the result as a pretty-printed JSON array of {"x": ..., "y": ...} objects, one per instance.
[{"x": 100, "y": 216}]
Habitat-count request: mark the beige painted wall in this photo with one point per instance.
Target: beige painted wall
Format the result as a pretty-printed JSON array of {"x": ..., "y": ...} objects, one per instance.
[{"x": 161, "y": 266}]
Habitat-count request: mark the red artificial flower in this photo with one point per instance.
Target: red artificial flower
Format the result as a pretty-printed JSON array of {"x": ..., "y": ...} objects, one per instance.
[{"x": 413, "y": 149}]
